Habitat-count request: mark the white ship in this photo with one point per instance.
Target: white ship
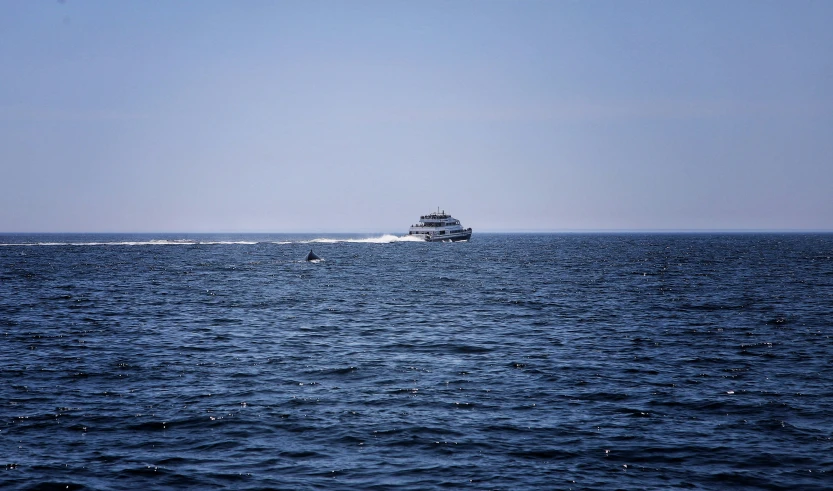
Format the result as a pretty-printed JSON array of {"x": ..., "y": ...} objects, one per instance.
[{"x": 440, "y": 227}]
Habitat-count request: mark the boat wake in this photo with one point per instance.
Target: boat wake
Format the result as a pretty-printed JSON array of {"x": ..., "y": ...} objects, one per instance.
[
  {"x": 384, "y": 239},
  {"x": 155, "y": 242}
]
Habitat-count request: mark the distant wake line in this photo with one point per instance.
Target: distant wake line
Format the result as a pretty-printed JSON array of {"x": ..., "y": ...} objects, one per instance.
[
  {"x": 384, "y": 239},
  {"x": 131, "y": 243}
]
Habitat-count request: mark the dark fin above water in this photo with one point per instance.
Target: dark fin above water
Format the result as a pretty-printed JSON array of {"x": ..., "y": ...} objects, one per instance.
[{"x": 311, "y": 256}]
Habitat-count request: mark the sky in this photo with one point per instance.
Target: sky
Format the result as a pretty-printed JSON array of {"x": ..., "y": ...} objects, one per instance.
[{"x": 360, "y": 116}]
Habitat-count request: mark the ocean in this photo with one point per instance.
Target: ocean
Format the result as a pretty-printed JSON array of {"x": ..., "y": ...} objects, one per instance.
[{"x": 513, "y": 361}]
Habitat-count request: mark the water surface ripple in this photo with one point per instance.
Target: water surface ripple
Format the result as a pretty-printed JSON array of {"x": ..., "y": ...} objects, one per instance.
[{"x": 510, "y": 362}]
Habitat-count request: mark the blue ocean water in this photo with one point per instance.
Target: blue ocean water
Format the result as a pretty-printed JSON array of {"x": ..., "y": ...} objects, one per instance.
[{"x": 552, "y": 361}]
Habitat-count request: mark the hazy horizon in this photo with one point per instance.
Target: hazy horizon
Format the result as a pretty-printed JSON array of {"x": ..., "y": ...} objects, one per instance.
[
  {"x": 358, "y": 117},
  {"x": 476, "y": 232}
]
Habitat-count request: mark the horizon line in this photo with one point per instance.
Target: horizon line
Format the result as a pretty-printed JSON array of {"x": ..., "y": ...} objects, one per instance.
[{"x": 486, "y": 231}]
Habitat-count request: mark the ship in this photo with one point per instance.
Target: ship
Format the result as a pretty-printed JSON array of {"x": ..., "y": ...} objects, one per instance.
[{"x": 440, "y": 227}]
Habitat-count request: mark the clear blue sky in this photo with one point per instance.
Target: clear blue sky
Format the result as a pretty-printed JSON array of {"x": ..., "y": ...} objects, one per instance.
[{"x": 282, "y": 116}]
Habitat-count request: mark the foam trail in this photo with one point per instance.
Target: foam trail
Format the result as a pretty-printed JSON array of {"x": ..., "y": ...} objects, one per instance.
[
  {"x": 387, "y": 239},
  {"x": 154, "y": 242},
  {"x": 229, "y": 242},
  {"x": 384, "y": 239}
]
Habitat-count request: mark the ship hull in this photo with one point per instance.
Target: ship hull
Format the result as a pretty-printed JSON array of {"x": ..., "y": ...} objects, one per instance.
[{"x": 448, "y": 238}]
